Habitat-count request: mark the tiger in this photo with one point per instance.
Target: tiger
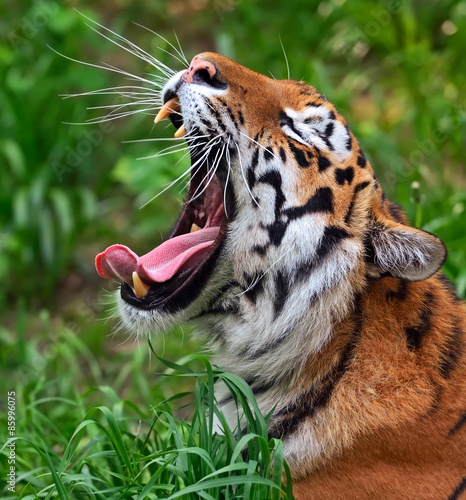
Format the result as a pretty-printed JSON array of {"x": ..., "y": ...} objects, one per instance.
[{"x": 307, "y": 282}]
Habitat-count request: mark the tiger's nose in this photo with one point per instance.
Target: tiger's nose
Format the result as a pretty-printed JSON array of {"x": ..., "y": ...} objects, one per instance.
[{"x": 202, "y": 72}]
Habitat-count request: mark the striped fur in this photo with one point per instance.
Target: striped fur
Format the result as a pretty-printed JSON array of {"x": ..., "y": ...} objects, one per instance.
[{"x": 325, "y": 300}]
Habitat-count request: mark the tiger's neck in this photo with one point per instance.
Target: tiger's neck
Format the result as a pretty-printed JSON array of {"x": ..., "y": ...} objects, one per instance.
[{"x": 366, "y": 370}]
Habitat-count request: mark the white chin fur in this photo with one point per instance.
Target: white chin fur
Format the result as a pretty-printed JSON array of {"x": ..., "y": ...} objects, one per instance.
[{"x": 142, "y": 322}]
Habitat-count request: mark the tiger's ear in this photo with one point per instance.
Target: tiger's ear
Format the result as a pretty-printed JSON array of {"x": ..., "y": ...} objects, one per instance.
[{"x": 402, "y": 251}]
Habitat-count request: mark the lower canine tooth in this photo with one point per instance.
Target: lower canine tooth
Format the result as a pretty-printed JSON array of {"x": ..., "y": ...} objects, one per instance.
[
  {"x": 195, "y": 227},
  {"x": 140, "y": 287},
  {"x": 180, "y": 132}
]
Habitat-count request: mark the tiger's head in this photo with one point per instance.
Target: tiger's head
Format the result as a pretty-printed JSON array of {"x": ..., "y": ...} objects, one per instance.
[{"x": 283, "y": 224}]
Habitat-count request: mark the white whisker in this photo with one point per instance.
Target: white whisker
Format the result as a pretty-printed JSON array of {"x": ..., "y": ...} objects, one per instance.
[
  {"x": 213, "y": 169},
  {"x": 182, "y": 58},
  {"x": 184, "y": 174},
  {"x": 122, "y": 91},
  {"x": 228, "y": 160},
  {"x": 105, "y": 67},
  {"x": 137, "y": 51},
  {"x": 286, "y": 58},
  {"x": 244, "y": 177},
  {"x": 260, "y": 145},
  {"x": 254, "y": 283},
  {"x": 180, "y": 51},
  {"x": 154, "y": 139}
]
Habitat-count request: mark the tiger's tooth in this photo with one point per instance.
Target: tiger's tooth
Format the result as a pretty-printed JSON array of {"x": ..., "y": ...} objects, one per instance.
[
  {"x": 171, "y": 106},
  {"x": 140, "y": 288},
  {"x": 180, "y": 132},
  {"x": 194, "y": 228}
]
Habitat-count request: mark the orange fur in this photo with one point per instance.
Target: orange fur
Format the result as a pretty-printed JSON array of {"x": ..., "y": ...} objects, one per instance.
[
  {"x": 399, "y": 412},
  {"x": 327, "y": 274},
  {"x": 393, "y": 426}
]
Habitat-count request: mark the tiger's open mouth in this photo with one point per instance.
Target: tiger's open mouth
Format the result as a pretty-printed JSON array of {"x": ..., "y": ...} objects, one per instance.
[{"x": 173, "y": 274}]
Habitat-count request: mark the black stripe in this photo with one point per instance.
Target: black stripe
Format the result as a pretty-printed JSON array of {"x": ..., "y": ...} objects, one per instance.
[
  {"x": 260, "y": 249},
  {"x": 448, "y": 285},
  {"x": 331, "y": 238},
  {"x": 287, "y": 420},
  {"x": 401, "y": 291},
  {"x": 461, "y": 488},
  {"x": 258, "y": 135},
  {"x": 213, "y": 306},
  {"x": 254, "y": 286},
  {"x": 349, "y": 141},
  {"x": 268, "y": 154},
  {"x": 274, "y": 179},
  {"x": 344, "y": 175},
  {"x": 362, "y": 162},
  {"x": 217, "y": 334},
  {"x": 219, "y": 120},
  {"x": 307, "y": 92},
  {"x": 397, "y": 213},
  {"x": 321, "y": 201},
  {"x": 457, "y": 427},
  {"x": 251, "y": 178},
  {"x": 255, "y": 159},
  {"x": 323, "y": 163},
  {"x": 327, "y": 142},
  {"x": 359, "y": 187},
  {"x": 206, "y": 122},
  {"x": 329, "y": 129},
  {"x": 282, "y": 290},
  {"x": 283, "y": 155},
  {"x": 332, "y": 115},
  {"x": 230, "y": 113},
  {"x": 286, "y": 120},
  {"x": 416, "y": 334},
  {"x": 453, "y": 351},
  {"x": 241, "y": 117},
  {"x": 276, "y": 232},
  {"x": 299, "y": 155},
  {"x": 265, "y": 349}
]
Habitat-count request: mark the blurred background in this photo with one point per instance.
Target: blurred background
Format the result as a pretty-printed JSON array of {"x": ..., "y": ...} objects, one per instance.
[{"x": 396, "y": 70}]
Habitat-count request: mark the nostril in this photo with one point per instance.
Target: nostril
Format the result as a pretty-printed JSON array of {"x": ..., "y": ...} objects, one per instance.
[
  {"x": 202, "y": 75},
  {"x": 208, "y": 76},
  {"x": 203, "y": 72}
]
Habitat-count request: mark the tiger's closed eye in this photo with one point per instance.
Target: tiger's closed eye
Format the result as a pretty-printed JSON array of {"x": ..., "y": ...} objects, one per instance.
[{"x": 313, "y": 119}]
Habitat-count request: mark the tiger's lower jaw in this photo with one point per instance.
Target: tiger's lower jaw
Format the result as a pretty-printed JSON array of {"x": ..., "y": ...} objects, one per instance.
[{"x": 146, "y": 321}]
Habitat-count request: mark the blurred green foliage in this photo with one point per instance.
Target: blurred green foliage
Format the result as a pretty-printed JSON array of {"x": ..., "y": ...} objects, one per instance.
[{"x": 396, "y": 70}]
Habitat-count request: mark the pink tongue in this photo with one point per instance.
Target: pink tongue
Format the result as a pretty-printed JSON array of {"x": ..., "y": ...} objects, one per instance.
[{"x": 160, "y": 264}]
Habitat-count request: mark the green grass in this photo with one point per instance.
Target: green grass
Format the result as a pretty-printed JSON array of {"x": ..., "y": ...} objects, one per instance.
[
  {"x": 119, "y": 449},
  {"x": 396, "y": 72}
]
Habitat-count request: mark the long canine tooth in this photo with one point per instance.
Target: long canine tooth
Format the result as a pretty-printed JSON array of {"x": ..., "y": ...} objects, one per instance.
[
  {"x": 171, "y": 106},
  {"x": 194, "y": 228},
  {"x": 140, "y": 287},
  {"x": 180, "y": 132}
]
